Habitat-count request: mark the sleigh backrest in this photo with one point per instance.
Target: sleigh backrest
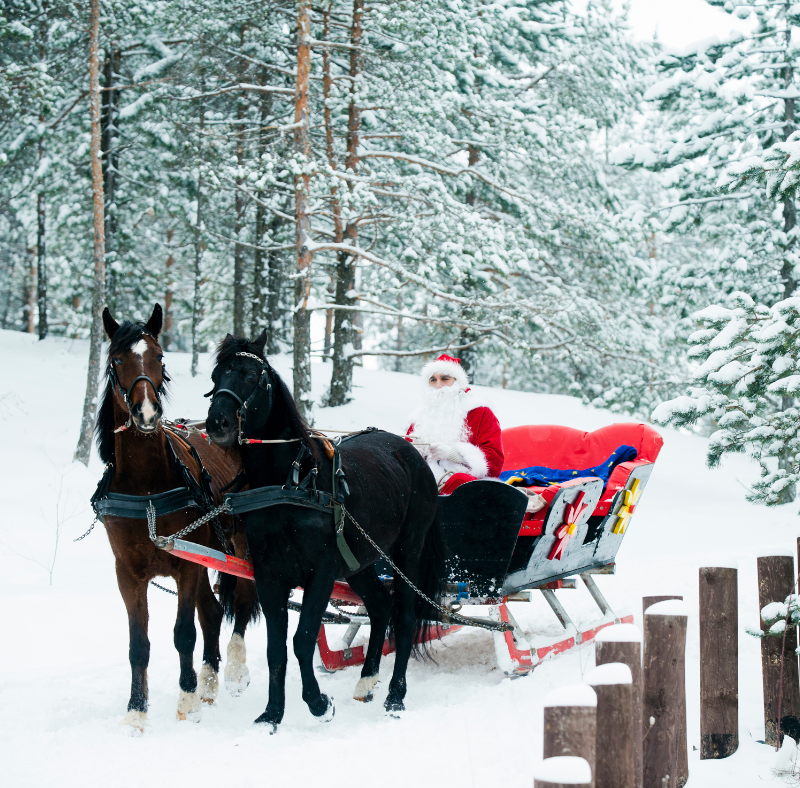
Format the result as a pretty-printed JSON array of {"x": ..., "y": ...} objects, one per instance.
[{"x": 560, "y": 447}]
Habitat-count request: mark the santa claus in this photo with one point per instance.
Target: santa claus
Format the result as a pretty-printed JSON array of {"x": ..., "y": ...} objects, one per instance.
[{"x": 454, "y": 430}]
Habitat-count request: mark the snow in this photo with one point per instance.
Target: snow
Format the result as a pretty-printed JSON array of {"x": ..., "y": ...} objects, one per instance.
[
  {"x": 774, "y": 550},
  {"x": 571, "y": 695},
  {"x": 565, "y": 769},
  {"x": 620, "y": 633},
  {"x": 610, "y": 673},
  {"x": 64, "y": 663},
  {"x": 669, "y": 607}
]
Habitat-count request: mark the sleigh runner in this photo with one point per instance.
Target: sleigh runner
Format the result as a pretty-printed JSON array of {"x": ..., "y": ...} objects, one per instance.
[{"x": 495, "y": 553}]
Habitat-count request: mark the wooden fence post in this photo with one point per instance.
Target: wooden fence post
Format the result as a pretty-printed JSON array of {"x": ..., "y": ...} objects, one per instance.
[
  {"x": 683, "y": 744},
  {"x": 664, "y": 670},
  {"x": 719, "y": 661},
  {"x": 570, "y": 724},
  {"x": 562, "y": 772},
  {"x": 775, "y": 582},
  {"x": 623, "y": 643},
  {"x": 612, "y": 683}
]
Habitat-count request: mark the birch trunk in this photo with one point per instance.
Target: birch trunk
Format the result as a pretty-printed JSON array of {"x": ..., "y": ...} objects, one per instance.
[
  {"x": 84, "y": 448},
  {"x": 302, "y": 282}
]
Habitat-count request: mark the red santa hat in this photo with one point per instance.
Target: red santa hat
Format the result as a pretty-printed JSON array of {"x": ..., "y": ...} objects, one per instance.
[{"x": 446, "y": 365}]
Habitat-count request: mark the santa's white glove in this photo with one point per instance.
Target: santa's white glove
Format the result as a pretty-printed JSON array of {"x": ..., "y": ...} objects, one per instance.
[
  {"x": 443, "y": 451},
  {"x": 536, "y": 502}
]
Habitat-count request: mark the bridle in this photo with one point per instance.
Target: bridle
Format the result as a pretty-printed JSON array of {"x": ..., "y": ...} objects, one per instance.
[
  {"x": 263, "y": 384},
  {"x": 126, "y": 393}
]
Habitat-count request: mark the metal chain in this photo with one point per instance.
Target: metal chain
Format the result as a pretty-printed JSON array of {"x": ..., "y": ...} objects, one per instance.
[
  {"x": 91, "y": 528},
  {"x": 168, "y": 590},
  {"x": 162, "y": 541},
  {"x": 451, "y": 616}
]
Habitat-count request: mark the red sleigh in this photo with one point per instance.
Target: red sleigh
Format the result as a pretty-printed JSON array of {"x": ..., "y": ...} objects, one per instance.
[{"x": 497, "y": 554}]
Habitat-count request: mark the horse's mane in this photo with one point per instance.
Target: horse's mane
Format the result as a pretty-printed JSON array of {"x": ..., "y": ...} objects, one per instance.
[
  {"x": 226, "y": 353},
  {"x": 125, "y": 337}
]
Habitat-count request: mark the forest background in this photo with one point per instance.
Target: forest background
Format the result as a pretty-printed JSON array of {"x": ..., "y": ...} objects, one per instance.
[{"x": 522, "y": 184}]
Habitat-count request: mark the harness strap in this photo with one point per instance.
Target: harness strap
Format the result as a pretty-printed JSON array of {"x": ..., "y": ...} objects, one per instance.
[
  {"x": 338, "y": 513},
  {"x": 274, "y": 495},
  {"x": 135, "y": 507}
]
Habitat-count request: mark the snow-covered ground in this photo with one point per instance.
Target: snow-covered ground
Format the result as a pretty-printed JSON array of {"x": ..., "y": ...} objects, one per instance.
[{"x": 64, "y": 675}]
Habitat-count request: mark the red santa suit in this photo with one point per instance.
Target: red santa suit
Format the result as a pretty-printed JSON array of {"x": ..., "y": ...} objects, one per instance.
[{"x": 455, "y": 431}]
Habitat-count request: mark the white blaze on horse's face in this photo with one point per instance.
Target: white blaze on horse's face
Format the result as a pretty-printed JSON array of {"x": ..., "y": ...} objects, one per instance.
[
  {"x": 140, "y": 347},
  {"x": 148, "y": 411}
]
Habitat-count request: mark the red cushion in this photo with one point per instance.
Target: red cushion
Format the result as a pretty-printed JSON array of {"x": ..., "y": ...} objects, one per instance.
[{"x": 563, "y": 447}]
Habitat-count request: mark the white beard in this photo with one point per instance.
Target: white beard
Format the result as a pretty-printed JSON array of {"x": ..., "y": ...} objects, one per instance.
[{"x": 442, "y": 418}]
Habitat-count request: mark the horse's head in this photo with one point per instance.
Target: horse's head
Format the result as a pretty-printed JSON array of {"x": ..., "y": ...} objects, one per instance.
[
  {"x": 242, "y": 389},
  {"x": 136, "y": 369}
]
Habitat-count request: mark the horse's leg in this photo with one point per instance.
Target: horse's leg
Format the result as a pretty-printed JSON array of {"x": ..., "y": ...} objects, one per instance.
[
  {"x": 404, "y": 624},
  {"x": 185, "y": 637},
  {"x": 134, "y": 594},
  {"x": 209, "y": 611},
  {"x": 237, "y": 674},
  {"x": 316, "y": 595},
  {"x": 378, "y": 602},
  {"x": 273, "y": 598}
]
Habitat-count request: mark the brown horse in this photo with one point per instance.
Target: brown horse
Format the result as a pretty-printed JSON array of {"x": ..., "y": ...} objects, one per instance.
[{"x": 143, "y": 459}]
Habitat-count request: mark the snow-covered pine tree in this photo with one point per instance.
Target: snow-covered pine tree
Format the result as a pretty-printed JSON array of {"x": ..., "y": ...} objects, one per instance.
[{"x": 750, "y": 362}]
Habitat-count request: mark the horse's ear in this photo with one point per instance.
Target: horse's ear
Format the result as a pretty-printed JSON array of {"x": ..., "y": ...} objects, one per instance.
[
  {"x": 260, "y": 341},
  {"x": 153, "y": 325},
  {"x": 109, "y": 324}
]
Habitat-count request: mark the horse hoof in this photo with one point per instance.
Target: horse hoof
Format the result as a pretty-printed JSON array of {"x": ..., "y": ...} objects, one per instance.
[
  {"x": 394, "y": 708},
  {"x": 208, "y": 684},
  {"x": 326, "y": 713},
  {"x": 237, "y": 674},
  {"x": 363, "y": 691},
  {"x": 189, "y": 707},
  {"x": 135, "y": 722},
  {"x": 267, "y": 719}
]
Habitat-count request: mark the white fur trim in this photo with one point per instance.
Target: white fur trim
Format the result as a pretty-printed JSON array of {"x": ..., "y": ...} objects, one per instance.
[
  {"x": 446, "y": 368},
  {"x": 474, "y": 460},
  {"x": 364, "y": 688}
]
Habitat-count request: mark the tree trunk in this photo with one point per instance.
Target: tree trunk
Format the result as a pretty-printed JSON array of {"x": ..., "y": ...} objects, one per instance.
[
  {"x": 41, "y": 260},
  {"x": 301, "y": 323},
  {"x": 41, "y": 263},
  {"x": 197, "y": 311},
  {"x": 30, "y": 300},
  {"x": 469, "y": 356},
  {"x": 273, "y": 296},
  {"x": 345, "y": 339},
  {"x": 259, "y": 304},
  {"x": 788, "y": 494},
  {"x": 166, "y": 335},
  {"x": 84, "y": 448},
  {"x": 109, "y": 132}
]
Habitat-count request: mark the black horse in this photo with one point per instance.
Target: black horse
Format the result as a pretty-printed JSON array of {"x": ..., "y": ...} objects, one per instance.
[{"x": 392, "y": 496}]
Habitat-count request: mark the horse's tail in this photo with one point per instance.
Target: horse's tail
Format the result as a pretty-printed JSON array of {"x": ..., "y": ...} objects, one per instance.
[
  {"x": 227, "y": 597},
  {"x": 431, "y": 579}
]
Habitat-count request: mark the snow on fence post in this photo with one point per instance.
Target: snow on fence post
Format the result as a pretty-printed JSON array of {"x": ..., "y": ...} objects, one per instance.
[
  {"x": 683, "y": 744},
  {"x": 775, "y": 583},
  {"x": 623, "y": 643},
  {"x": 570, "y": 724},
  {"x": 563, "y": 771},
  {"x": 719, "y": 661},
  {"x": 664, "y": 692},
  {"x": 613, "y": 684}
]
